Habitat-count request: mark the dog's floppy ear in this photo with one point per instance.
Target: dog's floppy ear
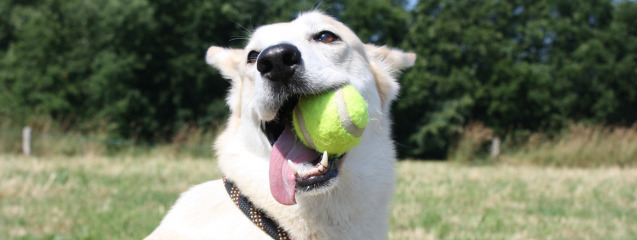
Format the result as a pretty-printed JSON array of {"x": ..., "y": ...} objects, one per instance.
[
  {"x": 387, "y": 63},
  {"x": 227, "y": 60},
  {"x": 392, "y": 60}
]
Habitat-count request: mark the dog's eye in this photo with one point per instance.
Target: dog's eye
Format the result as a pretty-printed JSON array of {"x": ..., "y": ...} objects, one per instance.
[
  {"x": 326, "y": 37},
  {"x": 252, "y": 56}
]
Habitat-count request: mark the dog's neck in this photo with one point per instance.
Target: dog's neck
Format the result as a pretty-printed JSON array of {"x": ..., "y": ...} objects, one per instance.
[{"x": 258, "y": 217}]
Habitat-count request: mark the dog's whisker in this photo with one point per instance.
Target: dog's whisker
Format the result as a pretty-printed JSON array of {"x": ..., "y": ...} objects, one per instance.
[
  {"x": 318, "y": 5},
  {"x": 239, "y": 38},
  {"x": 248, "y": 31}
]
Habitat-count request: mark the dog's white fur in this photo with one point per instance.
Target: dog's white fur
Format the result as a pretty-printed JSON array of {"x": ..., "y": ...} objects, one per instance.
[{"x": 357, "y": 207}]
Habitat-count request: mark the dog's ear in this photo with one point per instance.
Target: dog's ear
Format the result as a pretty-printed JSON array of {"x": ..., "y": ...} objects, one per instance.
[
  {"x": 392, "y": 60},
  {"x": 227, "y": 60},
  {"x": 387, "y": 63}
]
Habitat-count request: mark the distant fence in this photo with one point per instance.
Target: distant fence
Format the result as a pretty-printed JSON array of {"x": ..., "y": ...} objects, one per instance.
[{"x": 27, "y": 135}]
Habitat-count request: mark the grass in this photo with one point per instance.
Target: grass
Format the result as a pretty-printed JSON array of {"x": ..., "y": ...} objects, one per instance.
[
  {"x": 452, "y": 201},
  {"x": 93, "y": 197},
  {"x": 579, "y": 145}
]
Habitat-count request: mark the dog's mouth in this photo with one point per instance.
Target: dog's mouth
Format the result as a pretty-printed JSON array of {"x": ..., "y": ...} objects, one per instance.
[{"x": 293, "y": 166}]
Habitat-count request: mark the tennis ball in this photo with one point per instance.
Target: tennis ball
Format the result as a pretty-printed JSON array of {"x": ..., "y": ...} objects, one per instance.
[{"x": 333, "y": 121}]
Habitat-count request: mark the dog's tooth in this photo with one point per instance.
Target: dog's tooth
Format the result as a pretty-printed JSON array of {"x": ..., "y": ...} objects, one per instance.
[
  {"x": 324, "y": 160},
  {"x": 293, "y": 167},
  {"x": 303, "y": 175},
  {"x": 320, "y": 168}
]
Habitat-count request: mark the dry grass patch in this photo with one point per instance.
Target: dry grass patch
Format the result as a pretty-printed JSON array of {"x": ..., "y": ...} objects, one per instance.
[
  {"x": 582, "y": 146},
  {"x": 579, "y": 145}
]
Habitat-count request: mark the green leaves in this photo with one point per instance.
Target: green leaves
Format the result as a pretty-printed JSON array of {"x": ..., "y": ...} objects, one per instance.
[{"x": 512, "y": 65}]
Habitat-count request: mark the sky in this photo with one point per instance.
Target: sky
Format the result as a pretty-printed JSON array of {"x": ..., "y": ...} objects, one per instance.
[{"x": 411, "y": 4}]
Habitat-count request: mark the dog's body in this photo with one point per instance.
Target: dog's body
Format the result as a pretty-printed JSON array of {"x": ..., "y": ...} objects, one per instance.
[{"x": 310, "y": 55}]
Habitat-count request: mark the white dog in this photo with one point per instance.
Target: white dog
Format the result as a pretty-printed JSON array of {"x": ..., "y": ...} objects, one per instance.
[{"x": 281, "y": 62}]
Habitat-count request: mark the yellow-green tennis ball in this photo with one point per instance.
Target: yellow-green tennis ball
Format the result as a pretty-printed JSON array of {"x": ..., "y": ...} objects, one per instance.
[{"x": 333, "y": 121}]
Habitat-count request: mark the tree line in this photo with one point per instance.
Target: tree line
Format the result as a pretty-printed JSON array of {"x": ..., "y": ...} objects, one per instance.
[{"x": 137, "y": 65}]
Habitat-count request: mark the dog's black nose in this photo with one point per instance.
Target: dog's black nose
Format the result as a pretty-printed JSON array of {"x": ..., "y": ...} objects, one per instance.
[{"x": 279, "y": 62}]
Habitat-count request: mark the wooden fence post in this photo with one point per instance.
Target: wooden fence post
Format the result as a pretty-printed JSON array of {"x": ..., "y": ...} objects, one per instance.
[
  {"x": 495, "y": 148},
  {"x": 26, "y": 141}
]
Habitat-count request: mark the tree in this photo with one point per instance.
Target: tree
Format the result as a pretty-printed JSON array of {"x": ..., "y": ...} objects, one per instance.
[
  {"x": 136, "y": 63},
  {"x": 458, "y": 43},
  {"x": 515, "y": 65},
  {"x": 139, "y": 64}
]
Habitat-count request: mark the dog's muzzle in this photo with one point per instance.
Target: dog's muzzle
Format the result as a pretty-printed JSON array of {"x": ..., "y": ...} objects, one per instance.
[{"x": 294, "y": 167}]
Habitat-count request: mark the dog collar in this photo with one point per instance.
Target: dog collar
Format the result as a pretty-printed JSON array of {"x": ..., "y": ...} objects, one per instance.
[{"x": 257, "y": 216}]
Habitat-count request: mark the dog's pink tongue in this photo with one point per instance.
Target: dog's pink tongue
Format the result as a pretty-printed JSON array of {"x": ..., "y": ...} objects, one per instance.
[{"x": 282, "y": 179}]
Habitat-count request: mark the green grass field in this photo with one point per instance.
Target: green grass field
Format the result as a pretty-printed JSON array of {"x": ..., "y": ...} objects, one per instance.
[{"x": 125, "y": 198}]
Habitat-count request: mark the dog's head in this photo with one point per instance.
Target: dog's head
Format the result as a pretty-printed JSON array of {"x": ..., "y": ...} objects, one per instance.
[{"x": 310, "y": 55}]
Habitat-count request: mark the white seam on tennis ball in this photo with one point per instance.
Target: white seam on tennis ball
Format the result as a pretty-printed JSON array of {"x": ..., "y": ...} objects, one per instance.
[
  {"x": 301, "y": 122},
  {"x": 343, "y": 115}
]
